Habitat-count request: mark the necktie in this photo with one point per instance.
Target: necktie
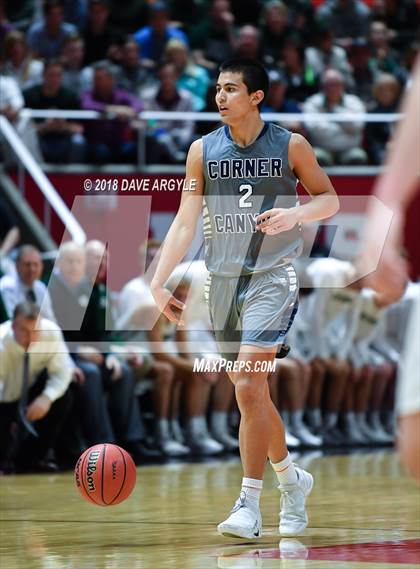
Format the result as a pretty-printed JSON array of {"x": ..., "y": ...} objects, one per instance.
[
  {"x": 24, "y": 396},
  {"x": 30, "y": 295}
]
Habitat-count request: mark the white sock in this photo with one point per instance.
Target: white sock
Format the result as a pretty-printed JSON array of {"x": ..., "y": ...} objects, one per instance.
[
  {"x": 219, "y": 422},
  {"x": 285, "y": 415},
  {"x": 252, "y": 489},
  {"x": 315, "y": 418},
  {"x": 285, "y": 471},
  {"x": 331, "y": 419},
  {"x": 196, "y": 426},
  {"x": 296, "y": 418}
]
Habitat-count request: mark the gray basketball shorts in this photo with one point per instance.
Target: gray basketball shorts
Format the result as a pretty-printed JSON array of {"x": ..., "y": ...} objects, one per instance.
[{"x": 256, "y": 309}]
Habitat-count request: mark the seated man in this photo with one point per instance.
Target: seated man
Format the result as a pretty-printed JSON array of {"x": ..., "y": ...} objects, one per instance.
[
  {"x": 26, "y": 283},
  {"x": 77, "y": 304},
  {"x": 336, "y": 142},
  {"x": 60, "y": 140},
  {"x": 153, "y": 38},
  {"x": 34, "y": 394},
  {"x": 110, "y": 138},
  {"x": 170, "y": 139},
  {"x": 46, "y": 37}
]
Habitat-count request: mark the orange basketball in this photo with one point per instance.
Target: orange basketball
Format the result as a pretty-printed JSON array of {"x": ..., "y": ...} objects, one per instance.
[{"x": 105, "y": 475}]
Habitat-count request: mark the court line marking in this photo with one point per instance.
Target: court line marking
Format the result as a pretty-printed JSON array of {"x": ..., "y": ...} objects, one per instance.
[{"x": 14, "y": 520}]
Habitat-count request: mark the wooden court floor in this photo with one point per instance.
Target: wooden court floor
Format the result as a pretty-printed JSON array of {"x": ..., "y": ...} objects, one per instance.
[{"x": 364, "y": 514}]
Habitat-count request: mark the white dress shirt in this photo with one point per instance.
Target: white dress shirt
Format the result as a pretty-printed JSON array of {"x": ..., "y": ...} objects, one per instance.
[
  {"x": 48, "y": 352},
  {"x": 333, "y": 310},
  {"x": 14, "y": 291}
]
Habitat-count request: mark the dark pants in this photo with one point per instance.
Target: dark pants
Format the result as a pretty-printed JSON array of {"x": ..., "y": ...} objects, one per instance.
[
  {"x": 16, "y": 444},
  {"x": 108, "y": 410}
]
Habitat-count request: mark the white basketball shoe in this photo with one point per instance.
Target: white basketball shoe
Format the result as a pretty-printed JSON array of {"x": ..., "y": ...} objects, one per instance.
[
  {"x": 293, "y": 515},
  {"x": 244, "y": 521}
]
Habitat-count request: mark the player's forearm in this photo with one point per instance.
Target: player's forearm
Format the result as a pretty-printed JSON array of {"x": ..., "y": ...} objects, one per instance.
[
  {"x": 175, "y": 247},
  {"x": 320, "y": 207},
  {"x": 398, "y": 185},
  {"x": 10, "y": 241}
]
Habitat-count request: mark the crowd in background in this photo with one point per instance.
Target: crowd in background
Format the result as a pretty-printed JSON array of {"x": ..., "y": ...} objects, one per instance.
[
  {"x": 110, "y": 368},
  {"x": 117, "y": 58}
]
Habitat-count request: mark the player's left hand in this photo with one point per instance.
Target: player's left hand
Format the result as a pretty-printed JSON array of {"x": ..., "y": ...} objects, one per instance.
[
  {"x": 276, "y": 220},
  {"x": 38, "y": 408},
  {"x": 170, "y": 306}
]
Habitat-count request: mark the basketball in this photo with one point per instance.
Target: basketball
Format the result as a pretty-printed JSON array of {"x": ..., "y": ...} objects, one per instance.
[{"x": 105, "y": 475}]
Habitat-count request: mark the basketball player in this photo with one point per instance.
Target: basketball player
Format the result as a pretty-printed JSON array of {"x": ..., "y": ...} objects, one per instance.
[
  {"x": 247, "y": 172},
  {"x": 396, "y": 188}
]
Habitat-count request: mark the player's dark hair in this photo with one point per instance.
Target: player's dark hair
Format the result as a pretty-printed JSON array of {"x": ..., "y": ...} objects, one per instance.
[{"x": 253, "y": 73}]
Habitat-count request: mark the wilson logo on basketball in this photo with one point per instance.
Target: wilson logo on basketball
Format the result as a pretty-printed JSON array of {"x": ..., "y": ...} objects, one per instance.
[
  {"x": 91, "y": 468},
  {"x": 114, "y": 469}
]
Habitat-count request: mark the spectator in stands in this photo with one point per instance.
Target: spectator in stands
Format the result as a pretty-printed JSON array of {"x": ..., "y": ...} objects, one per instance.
[
  {"x": 401, "y": 18},
  {"x": 275, "y": 101},
  {"x": 75, "y": 12},
  {"x": 75, "y": 77},
  {"x": 336, "y": 142},
  {"x": 246, "y": 12},
  {"x": 213, "y": 38},
  {"x": 274, "y": 30},
  {"x": 349, "y": 19},
  {"x": 302, "y": 15},
  {"x": 18, "y": 63},
  {"x": 127, "y": 16},
  {"x": 248, "y": 42},
  {"x": 190, "y": 76},
  {"x": 46, "y": 38},
  {"x": 326, "y": 54},
  {"x": 383, "y": 57},
  {"x": 110, "y": 138},
  {"x": 35, "y": 393},
  {"x": 9, "y": 237},
  {"x": 26, "y": 285},
  {"x": 11, "y": 104},
  {"x": 5, "y": 26},
  {"x": 132, "y": 75},
  {"x": 301, "y": 80},
  {"x": 60, "y": 140},
  {"x": 153, "y": 38},
  {"x": 100, "y": 373},
  {"x": 187, "y": 13},
  {"x": 100, "y": 39},
  {"x": 171, "y": 138},
  {"x": 386, "y": 93},
  {"x": 363, "y": 72}
]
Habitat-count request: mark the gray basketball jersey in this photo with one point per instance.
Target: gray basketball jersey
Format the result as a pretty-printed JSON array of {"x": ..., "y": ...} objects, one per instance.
[{"x": 241, "y": 183}]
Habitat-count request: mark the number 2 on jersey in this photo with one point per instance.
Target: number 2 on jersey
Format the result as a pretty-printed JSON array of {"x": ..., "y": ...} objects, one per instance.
[{"x": 247, "y": 188}]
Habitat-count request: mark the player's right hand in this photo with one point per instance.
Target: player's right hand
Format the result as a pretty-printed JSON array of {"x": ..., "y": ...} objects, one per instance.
[{"x": 170, "y": 306}]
